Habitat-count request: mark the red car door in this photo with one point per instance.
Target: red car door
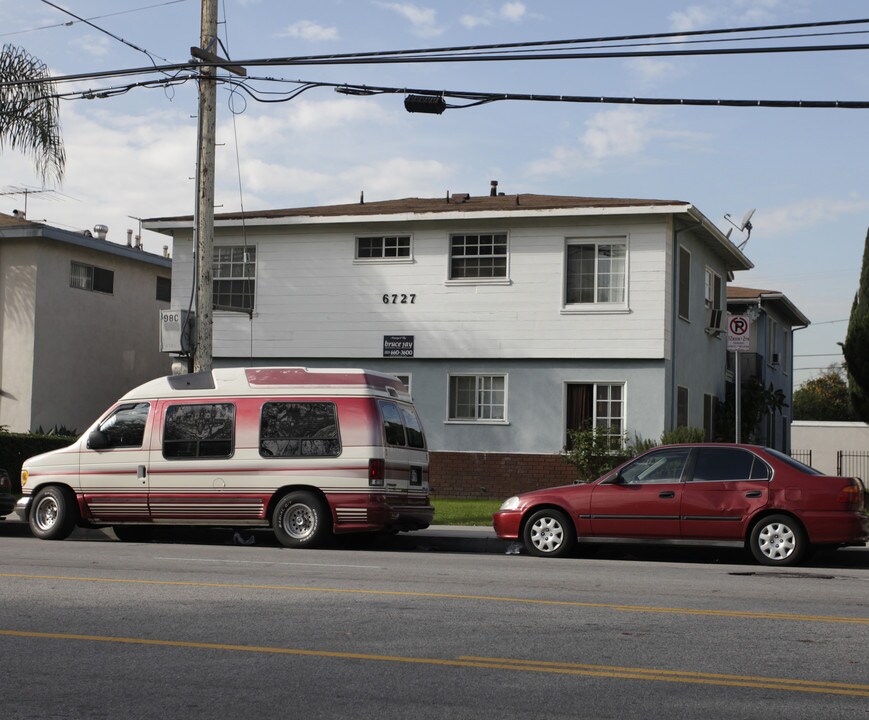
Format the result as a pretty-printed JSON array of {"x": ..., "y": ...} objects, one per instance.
[
  {"x": 727, "y": 485},
  {"x": 643, "y": 499}
]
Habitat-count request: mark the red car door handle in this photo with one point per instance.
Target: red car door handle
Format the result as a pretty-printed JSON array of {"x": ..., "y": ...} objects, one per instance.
[
  {"x": 667, "y": 494},
  {"x": 753, "y": 494}
]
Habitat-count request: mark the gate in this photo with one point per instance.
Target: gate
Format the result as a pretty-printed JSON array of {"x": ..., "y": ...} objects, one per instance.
[{"x": 853, "y": 463}]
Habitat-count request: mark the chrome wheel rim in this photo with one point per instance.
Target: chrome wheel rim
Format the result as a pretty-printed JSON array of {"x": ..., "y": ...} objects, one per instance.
[
  {"x": 46, "y": 513},
  {"x": 300, "y": 521},
  {"x": 777, "y": 541},
  {"x": 547, "y": 534}
]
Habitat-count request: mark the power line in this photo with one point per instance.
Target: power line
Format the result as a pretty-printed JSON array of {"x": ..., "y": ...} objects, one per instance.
[
  {"x": 69, "y": 23},
  {"x": 106, "y": 32}
]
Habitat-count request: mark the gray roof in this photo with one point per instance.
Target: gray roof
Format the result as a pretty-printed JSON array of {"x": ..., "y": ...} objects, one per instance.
[{"x": 16, "y": 227}]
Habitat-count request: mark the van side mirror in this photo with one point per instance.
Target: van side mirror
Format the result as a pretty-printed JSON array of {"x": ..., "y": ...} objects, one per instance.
[{"x": 98, "y": 440}]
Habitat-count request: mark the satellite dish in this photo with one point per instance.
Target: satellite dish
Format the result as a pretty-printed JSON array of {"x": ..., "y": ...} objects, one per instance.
[{"x": 746, "y": 220}]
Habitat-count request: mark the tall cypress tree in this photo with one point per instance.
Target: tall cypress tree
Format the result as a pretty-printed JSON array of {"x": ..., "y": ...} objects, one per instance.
[{"x": 856, "y": 345}]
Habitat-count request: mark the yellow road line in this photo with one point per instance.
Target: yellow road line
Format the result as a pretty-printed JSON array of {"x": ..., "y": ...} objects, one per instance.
[
  {"x": 454, "y": 596},
  {"x": 575, "y": 669}
]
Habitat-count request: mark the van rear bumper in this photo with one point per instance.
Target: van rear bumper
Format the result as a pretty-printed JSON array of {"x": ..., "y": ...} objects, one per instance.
[{"x": 355, "y": 513}]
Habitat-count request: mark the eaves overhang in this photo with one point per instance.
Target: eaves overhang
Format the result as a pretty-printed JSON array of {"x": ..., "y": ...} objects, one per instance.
[{"x": 737, "y": 259}]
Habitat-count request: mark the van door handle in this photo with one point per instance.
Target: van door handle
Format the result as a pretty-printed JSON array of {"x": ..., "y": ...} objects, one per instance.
[
  {"x": 753, "y": 494},
  {"x": 141, "y": 473},
  {"x": 667, "y": 494}
]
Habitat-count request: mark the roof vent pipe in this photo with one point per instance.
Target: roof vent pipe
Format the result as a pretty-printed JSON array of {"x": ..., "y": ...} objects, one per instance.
[
  {"x": 129, "y": 237},
  {"x": 100, "y": 231},
  {"x": 494, "y": 191}
]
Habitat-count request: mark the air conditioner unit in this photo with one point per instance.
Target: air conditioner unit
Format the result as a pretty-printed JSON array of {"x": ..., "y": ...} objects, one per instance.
[{"x": 713, "y": 322}]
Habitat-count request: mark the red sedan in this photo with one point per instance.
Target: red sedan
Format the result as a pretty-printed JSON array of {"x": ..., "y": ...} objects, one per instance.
[{"x": 777, "y": 506}]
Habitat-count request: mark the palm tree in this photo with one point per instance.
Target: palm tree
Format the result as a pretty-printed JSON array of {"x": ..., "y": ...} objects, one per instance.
[{"x": 29, "y": 119}]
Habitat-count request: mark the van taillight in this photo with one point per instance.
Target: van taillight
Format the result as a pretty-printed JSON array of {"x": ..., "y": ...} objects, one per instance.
[{"x": 376, "y": 472}]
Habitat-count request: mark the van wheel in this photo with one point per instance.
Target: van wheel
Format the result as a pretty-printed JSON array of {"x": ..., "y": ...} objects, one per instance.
[
  {"x": 133, "y": 533},
  {"x": 54, "y": 513},
  {"x": 300, "y": 520}
]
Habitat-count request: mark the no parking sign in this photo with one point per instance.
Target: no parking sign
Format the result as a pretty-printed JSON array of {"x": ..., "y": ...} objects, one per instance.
[{"x": 738, "y": 333}]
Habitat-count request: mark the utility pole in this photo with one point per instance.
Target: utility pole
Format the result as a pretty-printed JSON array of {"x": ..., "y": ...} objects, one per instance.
[{"x": 203, "y": 218}]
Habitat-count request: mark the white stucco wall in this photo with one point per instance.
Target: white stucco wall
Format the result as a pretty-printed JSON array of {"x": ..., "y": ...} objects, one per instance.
[{"x": 825, "y": 439}]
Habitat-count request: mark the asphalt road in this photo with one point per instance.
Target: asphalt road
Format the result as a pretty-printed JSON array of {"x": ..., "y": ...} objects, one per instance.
[{"x": 92, "y": 628}]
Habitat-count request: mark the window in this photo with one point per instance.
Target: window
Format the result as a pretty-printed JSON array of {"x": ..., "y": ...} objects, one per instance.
[
  {"x": 88, "y": 277},
  {"x": 478, "y": 398},
  {"x": 684, "y": 284},
  {"x": 199, "y": 431},
  {"x": 126, "y": 426},
  {"x": 393, "y": 247},
  {"x": 710, "y": 404},
  {"x": 785, "y": 357},
  {"x": 720, "y": 464},
  {"x": 401, "y": 426},
  {"x": 596, "y": 272},
  {"x": 712, "y": 290},
  {"x": 234, "y": 278},
  {"x": 681, "y": 406},
  {"x": 299, "y": 429},
  {"x": 405, "y": 378},
  {"x": 164, "y": 289},
  {"x": 772, "y": 346},
  {"x": 478, "y": 256},
  {"x": 659, "y": 467},
  {"x": 598, "y": 405}
]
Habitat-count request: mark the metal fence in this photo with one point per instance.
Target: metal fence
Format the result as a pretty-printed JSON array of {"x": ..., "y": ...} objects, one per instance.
[
  {"x": 804, "y": 456},
  {"x": 853, "y": 463}
]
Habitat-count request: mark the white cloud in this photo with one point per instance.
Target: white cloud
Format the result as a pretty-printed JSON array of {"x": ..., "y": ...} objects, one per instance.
[
  {"x": 423, "y": 20},
  {"x": 807, "y": 213},
  {"x": 652, "y": 70},
  {"x": 508, "y": 11},
  {"x": 310, "y": 31},
  {"x": 624, "y": 133},
  {"x": 95, "y": 45},
  {"x": 692, "y": 18}
]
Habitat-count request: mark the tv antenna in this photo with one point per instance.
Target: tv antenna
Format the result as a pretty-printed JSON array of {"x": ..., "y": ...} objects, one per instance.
[
  {"x": 744, "y": 226},
  {"x": 26, "y": 191}
]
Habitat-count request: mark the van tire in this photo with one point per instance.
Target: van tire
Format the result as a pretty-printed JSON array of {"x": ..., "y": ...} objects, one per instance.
[
  {"x": 301, "y": 520},
  {"x": 54, "y": 513}
]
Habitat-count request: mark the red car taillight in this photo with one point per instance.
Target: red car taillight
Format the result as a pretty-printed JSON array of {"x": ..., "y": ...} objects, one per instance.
[
  {"x": 852, "y": 495},
  {"x": 376, "y": 472}
]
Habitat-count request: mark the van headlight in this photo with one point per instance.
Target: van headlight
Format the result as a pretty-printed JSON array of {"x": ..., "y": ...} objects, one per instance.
[{"x": 511, "y": 503}]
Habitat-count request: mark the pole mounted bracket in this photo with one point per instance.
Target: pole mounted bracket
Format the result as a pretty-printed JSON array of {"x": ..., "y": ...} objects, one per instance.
[{"x": 210, "y": 57}]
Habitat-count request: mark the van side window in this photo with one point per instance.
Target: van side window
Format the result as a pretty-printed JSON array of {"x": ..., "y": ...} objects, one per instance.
[
  {"x": 299, "y": 429},
  {"x": 126, "y": 426},
  {"x": 393, "y": 428},
  {"x": 413, "y": 427},
  {"x": 199, "y": 431}
]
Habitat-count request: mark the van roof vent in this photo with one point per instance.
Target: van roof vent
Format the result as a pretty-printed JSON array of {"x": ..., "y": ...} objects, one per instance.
[{"x": 392, "y": 391}]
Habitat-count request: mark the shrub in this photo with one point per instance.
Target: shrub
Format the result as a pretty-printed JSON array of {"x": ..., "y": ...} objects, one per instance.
[
  {"x": 15, "y": 448},
  {"x": 683, "y": 434}
]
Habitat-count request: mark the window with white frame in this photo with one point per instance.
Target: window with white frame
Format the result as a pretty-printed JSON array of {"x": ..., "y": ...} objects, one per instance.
[
  {"x": 712, "y": 290},
  {"x": 234, "y": 277},
  {"x": 89, "y": 277},
  {"x": 478, "y": 398},
  {"x": 388, "y": 247},
  {"x": 478, "y": 256},
  {"x": 598, "y": 405},
  {"x": 596, "y": 271}
]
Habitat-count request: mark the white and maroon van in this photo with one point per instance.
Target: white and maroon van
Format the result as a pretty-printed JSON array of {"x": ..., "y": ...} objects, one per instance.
[{"x": 306, "y": 452}]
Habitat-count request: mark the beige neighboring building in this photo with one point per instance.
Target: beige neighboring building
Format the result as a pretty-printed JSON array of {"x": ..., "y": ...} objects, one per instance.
[{"x": 79, "y": 323}]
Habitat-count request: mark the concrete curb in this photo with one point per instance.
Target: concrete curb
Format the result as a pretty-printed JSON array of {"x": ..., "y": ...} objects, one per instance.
[{"x": 438, "y": 538}]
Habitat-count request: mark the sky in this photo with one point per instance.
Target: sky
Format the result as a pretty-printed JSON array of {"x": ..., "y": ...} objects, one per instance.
[{"x": 133, "y": 156}]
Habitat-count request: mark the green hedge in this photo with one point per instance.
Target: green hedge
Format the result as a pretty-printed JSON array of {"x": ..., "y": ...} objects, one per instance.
[{"x": 15, "y": 448}]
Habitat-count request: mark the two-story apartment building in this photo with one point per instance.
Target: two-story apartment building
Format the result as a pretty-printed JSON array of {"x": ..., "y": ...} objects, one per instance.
[
  {"x": 773, "y": 320},
  {"x": 512, "y": 317},
  {"x": 79, "y": 323}
]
